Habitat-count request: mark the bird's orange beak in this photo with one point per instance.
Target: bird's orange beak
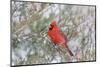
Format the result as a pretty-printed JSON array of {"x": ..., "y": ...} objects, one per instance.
[{"x": 50, "y": 26}]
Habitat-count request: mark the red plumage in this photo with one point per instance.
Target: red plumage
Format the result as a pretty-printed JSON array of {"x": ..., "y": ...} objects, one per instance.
[{"x": 57, "y": 36}]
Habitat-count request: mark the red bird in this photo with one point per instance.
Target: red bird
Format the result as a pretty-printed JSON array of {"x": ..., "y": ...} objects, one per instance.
[{"x": 57, "y": 37}]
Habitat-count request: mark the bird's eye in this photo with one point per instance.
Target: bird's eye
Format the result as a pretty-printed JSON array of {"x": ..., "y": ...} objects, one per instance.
[{"x": 51, "y": 27}]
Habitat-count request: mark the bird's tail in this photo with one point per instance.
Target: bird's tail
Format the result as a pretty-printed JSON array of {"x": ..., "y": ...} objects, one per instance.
[{"x": 70, "y": 52}]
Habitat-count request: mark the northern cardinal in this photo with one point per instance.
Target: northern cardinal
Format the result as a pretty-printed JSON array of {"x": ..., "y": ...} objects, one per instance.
[{"x": 57, "y": 36}]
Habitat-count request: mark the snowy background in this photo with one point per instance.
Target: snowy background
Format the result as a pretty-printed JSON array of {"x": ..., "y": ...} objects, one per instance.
[{"x": 30, "y": 22}]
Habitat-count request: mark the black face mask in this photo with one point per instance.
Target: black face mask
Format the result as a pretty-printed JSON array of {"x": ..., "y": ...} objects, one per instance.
[{"x": 51, "y": 27}]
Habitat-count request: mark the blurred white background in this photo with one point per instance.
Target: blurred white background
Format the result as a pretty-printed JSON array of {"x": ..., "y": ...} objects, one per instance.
[{"x": 5, "y": 33}]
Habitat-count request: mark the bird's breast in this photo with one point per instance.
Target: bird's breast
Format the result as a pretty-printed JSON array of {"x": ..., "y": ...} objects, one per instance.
[{"x": 56, "y": 37}]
